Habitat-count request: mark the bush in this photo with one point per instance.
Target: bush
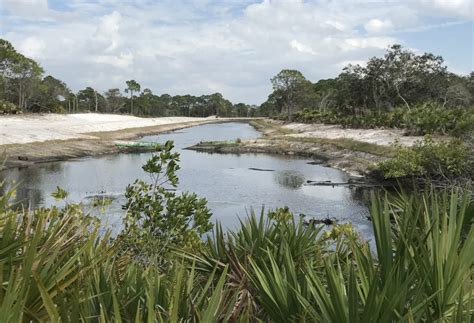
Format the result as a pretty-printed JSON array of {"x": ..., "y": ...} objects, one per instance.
[
  {"x": 432, "y": 118},
  {"x": 447, "y": 159},
  {"x": 429, "y": 118},
  {"x": 157, "y": 219},
  {"x": 8, "y": 108}
]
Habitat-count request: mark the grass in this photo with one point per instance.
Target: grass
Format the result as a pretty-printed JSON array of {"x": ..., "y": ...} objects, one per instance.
[
  {"x": 270, "y": 127},
  {"x": 345, "y": 143},
  {"x": 55, "y": 265},
  {"x": 277, "y": 132}
]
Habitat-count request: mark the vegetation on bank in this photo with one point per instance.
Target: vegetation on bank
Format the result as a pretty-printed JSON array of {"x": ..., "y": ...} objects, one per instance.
[
  {"x": 399, "y": 90},
  {"x": 346, "y": 143},
  {"x": 57, "y": 264},
  {"x": 422, "y": 119},
  {"x": 445, "y": 160}
]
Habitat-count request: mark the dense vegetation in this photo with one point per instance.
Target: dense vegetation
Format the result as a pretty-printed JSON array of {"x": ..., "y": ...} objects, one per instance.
[
  {"x": 57, "y": 264},
  {"x": 422, "y": 119},
  {"x": 445, "y": 161},
  {"x": 400, "y": 89},
  {"x": 24, "y": 88}
]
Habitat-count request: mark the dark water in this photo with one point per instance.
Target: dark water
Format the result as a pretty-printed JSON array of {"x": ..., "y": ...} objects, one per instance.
[{"x": 227, "y": 181}]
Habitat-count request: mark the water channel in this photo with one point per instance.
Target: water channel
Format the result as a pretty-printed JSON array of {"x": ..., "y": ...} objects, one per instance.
[{"x": 232, "y": 184}]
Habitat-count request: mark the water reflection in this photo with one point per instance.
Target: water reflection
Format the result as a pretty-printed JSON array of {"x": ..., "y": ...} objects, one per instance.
[
  {"x": 291, "y": 179},
  {"x": 230, "y": 183}
]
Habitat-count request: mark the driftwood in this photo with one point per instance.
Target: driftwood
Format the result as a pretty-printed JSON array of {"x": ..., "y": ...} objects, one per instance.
[
  {"x": 261, "y": 169},
  {"x": 349, "y": 183}
]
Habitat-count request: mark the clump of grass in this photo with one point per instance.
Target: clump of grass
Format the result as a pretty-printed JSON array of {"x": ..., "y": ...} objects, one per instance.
[
  {"x": 346, "y": 143},
  {"x": 270, "y": 127}
]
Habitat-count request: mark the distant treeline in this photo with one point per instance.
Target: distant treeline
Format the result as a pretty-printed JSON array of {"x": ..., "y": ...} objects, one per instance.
[
  {"x": 384, "y": 92},
  {"x": 24, "y": 88}
]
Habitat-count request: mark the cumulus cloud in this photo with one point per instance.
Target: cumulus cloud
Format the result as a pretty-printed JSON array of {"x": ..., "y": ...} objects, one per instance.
[
  {"x": 198, "y": 47},
  {"x": 378, "y": 26},
  {"x": 460, "y": 8},
  {"x": 32, "y": 47},
  {"x": 301, "y": 47},
  {"x": 26, "y": 7},
  {"x": 108, "y": 31}
]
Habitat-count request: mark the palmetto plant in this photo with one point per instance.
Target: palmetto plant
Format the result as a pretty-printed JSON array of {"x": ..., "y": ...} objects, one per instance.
[{"x": 55, "y": 266}]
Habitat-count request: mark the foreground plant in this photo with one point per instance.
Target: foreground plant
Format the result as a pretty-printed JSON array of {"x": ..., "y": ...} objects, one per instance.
[
  {"x": 157, "y": 219},
  {"x": 55, "y": 265}
]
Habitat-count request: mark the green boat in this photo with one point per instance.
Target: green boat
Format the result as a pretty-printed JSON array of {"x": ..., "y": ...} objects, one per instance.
[{"x": 136, "y": 146}]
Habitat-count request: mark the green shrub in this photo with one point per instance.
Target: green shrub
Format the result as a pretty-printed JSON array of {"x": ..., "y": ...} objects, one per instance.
[
  {"x": 446, "y": 159},
  {"x": 8, "y": 108},
  {"x": 429, "y": 118},
  {"x": 157, "y": 219},
  {"x": 433, "y": 118}
]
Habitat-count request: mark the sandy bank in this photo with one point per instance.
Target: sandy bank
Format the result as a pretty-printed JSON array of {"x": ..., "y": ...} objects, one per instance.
[
  {"x": 354, "y": 151},
  {"x": 29, "y": 139},
  {"x": 383, "y": 137},
  {"x": 21, "y": 129}
]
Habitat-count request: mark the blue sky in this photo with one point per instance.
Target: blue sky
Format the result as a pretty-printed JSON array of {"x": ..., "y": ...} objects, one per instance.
[{"x": 228, "y": 46}]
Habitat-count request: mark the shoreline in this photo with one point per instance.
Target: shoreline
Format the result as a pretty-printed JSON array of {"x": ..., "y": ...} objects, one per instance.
[
  {"x": 88, "y": 144},
  {"x": 355, "y": 163},
  {"x": 342, "y": 151},
  {"x": 356, "y": 158}
]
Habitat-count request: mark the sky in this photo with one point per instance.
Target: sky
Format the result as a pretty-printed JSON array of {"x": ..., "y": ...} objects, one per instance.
[{"x": 229, "y": 46}]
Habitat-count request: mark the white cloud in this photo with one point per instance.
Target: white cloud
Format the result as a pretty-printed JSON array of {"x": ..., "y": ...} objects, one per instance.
[
  {"x": 461, "y": 8},
  {"x": 108, "y": 31},
  {"x": 123, "y": 60},
  {"x": 200, "y": 46},
  {"x": 378, "y": 26},
  {"x": 367, "y": 42},
  {"x": 26, "y": 7},
  {"x": 301, "y": 47},
  {"x": 32, "y": 47}
]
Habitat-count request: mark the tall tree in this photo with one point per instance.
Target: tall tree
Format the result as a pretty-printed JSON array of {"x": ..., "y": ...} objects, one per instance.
[
  {"x": 289, "y": 83},
  {"x": 132, "y": 87},
  {"x": 89, "y": 99},
  {"x": 50, "y": 95},
  {"x": 115, "y": 102}
]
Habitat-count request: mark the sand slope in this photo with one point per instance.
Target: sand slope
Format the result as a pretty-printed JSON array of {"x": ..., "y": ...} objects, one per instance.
[
  {"x": 383, "y": 137},
  {"x": 21, "y": 129}
]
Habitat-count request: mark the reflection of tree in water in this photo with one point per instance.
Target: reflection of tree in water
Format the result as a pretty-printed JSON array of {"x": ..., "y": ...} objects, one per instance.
[
  {"x": 28, "y": 182},
  {"x": 289, "y": 178},
  {"x": 360, "y": 193}
]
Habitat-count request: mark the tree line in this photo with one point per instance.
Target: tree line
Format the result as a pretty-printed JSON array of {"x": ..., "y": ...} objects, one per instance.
[
  {"x": 399, "y": 78},
  {"x": 24, "y": 88}
]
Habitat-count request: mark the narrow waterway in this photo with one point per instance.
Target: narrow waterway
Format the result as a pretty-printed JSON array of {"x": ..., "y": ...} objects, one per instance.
[{"x": 232, "y": 184}]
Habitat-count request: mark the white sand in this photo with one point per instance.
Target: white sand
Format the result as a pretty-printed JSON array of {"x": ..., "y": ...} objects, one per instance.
[
  {"x": 20, "y": 129},
  {"x": 382, "y": 137}
]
